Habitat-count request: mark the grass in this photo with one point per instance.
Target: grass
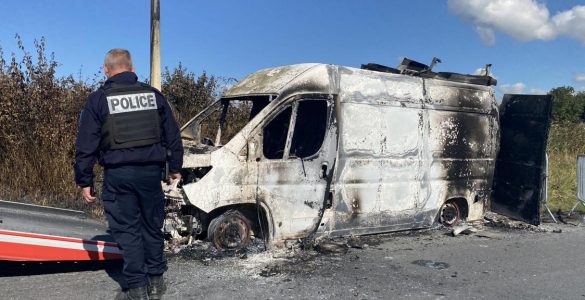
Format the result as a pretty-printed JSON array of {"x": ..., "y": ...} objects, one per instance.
[
  {"x": 565, "y": 142},
  {"x": 43, "y": 178}
]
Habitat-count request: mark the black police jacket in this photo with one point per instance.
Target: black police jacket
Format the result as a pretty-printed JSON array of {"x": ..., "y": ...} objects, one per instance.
[{"x": 92, "y": 118}]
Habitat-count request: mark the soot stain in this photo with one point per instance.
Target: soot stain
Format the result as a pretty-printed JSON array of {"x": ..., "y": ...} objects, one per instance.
[{"x": 355, "y": 207}]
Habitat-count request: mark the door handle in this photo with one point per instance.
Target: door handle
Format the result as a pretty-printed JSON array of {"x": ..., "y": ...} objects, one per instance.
[{"x": 324, "y": 168}]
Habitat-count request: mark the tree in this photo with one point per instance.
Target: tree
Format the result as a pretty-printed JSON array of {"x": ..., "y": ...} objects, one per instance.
[
  {"x": 568, "y": 107},
  {"x": 188, "y": 94}
]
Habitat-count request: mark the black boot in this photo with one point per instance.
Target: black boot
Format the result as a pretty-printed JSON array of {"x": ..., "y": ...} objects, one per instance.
[
  {"x": 157, "y": 287},
  {"x": 139, "y": 293}
]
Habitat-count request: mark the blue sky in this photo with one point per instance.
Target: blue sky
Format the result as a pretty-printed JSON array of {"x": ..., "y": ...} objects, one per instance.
[{"x": 533, "y": 45}]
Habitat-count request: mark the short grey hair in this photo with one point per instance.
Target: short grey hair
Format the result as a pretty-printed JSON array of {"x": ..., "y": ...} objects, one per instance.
[{"x": 118, "y": 58}]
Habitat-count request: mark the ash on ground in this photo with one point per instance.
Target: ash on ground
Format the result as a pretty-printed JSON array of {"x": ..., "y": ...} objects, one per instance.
[
  {"x": 297, "y": 257},
  {"x": 205, "y": 252},
  {"x": 495, "y": 220},
  {"x": 308, "y": 256}
]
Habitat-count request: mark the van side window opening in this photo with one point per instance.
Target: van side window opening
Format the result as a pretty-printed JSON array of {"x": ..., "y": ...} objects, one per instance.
[
  {"x": 310, "y": 128},
  {"x": 217, "y": 124},
  {"x": 275, "y": 134}
]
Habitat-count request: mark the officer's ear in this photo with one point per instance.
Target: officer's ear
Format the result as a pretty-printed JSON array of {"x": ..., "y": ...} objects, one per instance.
[
  {"x": 133, "y": 70},
  {"x": 106, "y": 71}
]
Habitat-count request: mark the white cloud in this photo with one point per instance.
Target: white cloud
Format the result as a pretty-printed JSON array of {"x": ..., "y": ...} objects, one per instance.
[
  {"x": 487, "y": 35},
  {"x": 516, "y": 88},
  {"x": 481, "y": 71},
  {"x": 580, "y": 78},
  {"x": 537, "y": 91},
  {"x": 571, "y": 23},
  {"x": 520, "y": 88},
  {"x": 524, "y": 20}
]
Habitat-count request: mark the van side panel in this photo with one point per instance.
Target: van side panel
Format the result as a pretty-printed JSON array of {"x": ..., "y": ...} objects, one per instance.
[
  {"x": 407, "y": 145},
  {"x": 380, "y": 166},
  {"x": 462, "y": 142},
  {"x": 379, "y": 176}
]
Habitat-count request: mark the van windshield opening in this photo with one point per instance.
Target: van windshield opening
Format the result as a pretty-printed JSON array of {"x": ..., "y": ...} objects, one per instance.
[{"x": 221, "y": 121}]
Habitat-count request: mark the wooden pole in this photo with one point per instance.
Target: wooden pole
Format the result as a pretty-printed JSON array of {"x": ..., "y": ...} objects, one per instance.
[{"x": 155, "y": 44}]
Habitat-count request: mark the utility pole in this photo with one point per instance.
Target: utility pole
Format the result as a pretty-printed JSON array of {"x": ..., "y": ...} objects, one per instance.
[{"x": 155, "y": 44}]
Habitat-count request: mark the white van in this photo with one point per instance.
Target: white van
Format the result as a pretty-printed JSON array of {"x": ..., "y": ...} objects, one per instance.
[{"x": 326, "y": 150}]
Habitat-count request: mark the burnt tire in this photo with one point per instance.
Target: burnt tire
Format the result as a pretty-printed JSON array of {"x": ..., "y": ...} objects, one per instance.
[
  {"x": 231, "y": 230},
  {"x": 450, "y": 214}
]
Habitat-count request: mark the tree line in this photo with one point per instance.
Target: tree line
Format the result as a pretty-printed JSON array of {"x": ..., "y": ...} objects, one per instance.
[{"x": 568, "y": 105}]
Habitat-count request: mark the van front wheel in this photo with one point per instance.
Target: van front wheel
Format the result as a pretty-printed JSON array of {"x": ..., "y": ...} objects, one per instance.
[{"x": 231, "y": 230}]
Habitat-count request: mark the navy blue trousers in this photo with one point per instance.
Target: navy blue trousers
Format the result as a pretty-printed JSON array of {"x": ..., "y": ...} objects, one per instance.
[{"x": 134, "y": 207}]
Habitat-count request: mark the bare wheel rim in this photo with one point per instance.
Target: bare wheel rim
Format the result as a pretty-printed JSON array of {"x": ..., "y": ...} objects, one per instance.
[
  {"x": 450, "y": 214},
  {"x": 232, "y": 232}
]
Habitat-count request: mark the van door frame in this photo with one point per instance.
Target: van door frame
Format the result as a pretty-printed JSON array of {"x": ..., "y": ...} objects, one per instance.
[{"x": 327, "y": 152}]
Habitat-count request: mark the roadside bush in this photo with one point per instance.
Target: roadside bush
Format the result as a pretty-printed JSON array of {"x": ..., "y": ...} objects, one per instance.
[
  {"x": 569, "y": 106},
  {"x": 38, "y": 124},
  {"x": 39, "y": 115},
  {"x": 566, "y": 141},
  {"x": 187, "y": 93}
]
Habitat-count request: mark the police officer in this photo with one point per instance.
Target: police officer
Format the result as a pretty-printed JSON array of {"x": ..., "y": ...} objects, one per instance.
[{"x": 129, "y": 128}]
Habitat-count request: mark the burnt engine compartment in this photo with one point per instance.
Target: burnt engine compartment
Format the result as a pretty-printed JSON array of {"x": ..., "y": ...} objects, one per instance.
[{"x": 184, "y": 222}]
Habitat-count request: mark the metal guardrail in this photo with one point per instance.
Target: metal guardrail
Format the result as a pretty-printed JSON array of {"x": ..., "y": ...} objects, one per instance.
[
  {"x": 41, "y": 209},
  {"x": 544, "y": 198},
  {"x": 580, "y": 182}
]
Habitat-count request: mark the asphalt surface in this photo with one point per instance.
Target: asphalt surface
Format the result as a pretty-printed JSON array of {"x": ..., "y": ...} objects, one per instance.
[{"x": 489, "y": 264}]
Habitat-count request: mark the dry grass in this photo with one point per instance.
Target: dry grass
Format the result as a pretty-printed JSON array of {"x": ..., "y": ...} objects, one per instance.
[
  {"x": 39, "y": 115},
  {"x": 566, "y": 141},
  {"x": 38, "y": 123}
]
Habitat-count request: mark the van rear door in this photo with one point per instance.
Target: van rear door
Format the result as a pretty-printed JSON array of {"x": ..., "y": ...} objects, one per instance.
[{"x": 520, "y": 167}]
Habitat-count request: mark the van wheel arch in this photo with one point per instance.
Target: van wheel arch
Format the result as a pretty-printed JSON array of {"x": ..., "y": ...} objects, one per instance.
[{"x": 258, "y": 218}]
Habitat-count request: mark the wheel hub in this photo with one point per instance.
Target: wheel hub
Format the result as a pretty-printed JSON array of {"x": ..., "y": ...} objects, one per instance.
[
  {"x": 450, "y": 214},
  {"x": 232, "y": 233}
]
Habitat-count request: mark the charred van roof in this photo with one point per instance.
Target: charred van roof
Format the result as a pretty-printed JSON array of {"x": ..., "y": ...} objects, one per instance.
[
  {"x": 323, "y": 78},
  {"x": 267, "y": 81}
]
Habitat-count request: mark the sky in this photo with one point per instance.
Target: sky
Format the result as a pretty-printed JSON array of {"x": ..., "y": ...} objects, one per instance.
[{"x": 533, "y": 45}]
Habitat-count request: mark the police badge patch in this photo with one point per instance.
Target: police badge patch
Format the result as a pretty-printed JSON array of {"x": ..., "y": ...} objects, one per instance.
[{"x": 131, "y": 102}]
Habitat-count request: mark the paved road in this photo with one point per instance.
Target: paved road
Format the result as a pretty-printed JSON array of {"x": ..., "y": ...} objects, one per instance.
[{"x": 493, "y": 263}]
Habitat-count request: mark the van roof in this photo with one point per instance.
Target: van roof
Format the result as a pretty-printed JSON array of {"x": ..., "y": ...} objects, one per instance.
[
  {"x": 268, "y": 81},
  {"x": 324, "y": 78}
]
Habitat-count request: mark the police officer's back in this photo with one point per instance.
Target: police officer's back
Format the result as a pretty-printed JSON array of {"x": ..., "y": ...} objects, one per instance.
[{"x": 129, "y": 128}]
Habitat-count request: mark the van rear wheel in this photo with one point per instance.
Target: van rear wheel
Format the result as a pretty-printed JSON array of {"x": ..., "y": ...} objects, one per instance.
[
  {"x": 450, "y": 214},
  {"x": 231, "y": 230}
]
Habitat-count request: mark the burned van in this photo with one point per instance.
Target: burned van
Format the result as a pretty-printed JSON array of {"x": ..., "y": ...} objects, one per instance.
[{"x": 312, "y": 150}]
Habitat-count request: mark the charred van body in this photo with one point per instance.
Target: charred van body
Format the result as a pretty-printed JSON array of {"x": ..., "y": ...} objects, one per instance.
[{"x": 327, "y": 150}]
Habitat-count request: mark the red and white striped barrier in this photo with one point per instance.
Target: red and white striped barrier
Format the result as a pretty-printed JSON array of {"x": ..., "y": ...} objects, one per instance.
[{"x": 22, "y": 246}]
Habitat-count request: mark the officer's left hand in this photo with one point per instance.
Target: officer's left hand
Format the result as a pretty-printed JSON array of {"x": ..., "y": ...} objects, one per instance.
[
  {"x": 89, "y": 199},
  {"x": 174, "y": 177}
]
